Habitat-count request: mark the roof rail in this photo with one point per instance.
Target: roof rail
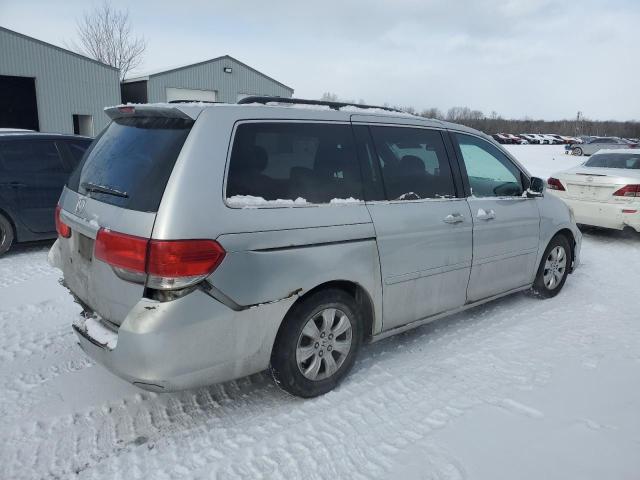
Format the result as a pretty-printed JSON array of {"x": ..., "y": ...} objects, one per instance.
[
  {"x": 302, "y": 101},
  {"x": 193, "y": 101}
]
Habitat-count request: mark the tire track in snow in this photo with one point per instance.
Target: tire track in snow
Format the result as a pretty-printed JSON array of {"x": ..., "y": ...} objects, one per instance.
[
  {"x": 40, "y": 328},
  {"x": 24, "y": 264},
  {"x": 381, "y": 387},
  {"x": 401, "y": 390}
]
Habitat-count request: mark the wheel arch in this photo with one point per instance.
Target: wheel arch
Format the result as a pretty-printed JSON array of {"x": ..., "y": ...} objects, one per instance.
[
  {"x": 359, "y": 294},
  {"x": 568, "y": 234},
  {"x": 11, "y": 221}
]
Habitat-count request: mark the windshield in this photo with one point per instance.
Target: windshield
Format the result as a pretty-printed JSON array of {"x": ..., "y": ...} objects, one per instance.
[
  {"x": 615, "y": 160},
  {"x": 129, "y": 164}
]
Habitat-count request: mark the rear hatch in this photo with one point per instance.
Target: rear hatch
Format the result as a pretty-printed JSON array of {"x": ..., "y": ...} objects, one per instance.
[
  {"x": 595, "y": 184},
  {"x": 117, "y": 187}
]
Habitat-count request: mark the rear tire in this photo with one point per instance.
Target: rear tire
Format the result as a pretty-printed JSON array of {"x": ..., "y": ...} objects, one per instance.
[
  {"x": 554, "y": 268},
  {"x": 6, "y": 235},
  {"x": 317, "y": 343},
  {"x": 577, "y": 151}
]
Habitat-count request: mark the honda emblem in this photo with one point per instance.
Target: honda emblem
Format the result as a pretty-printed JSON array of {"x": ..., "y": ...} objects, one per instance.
[{"x": 82, "y": 203}]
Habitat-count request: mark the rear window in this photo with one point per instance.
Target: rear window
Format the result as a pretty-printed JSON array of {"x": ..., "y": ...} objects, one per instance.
[
  {"x": 130, "y": 163},
  {"x": 300, "y": 162},
  {"x": 615, "y": 160}
]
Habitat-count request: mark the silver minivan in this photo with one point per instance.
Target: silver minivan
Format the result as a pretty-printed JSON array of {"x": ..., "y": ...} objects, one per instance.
[{"x": 209, "y": 242}]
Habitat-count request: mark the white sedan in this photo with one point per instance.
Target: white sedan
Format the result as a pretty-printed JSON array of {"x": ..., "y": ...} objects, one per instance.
[{"x": 604, "y": 191}]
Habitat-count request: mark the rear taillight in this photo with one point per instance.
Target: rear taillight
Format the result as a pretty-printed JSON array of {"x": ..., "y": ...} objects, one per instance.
[
  {"x": 554, "y": 184},
  {"x": 62, "y": 228},
  {"x": 122, "y": 251},
  {"x": 179, "y": 263},
  {"x": 167, "y": 264},
  {"x": 628, "y": 191}
]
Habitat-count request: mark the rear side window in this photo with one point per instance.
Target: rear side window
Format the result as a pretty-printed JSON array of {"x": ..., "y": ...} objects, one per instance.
[
  {"x": 130, "y": 163},
  {"x": 30, "y": 156},
  {"x": 301, "y": 162},
  {"x": 414, "y": 163}
]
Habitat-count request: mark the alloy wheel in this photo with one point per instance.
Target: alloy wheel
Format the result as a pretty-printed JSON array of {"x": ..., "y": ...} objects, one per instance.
[
  {"x": 324, "y": 344},
  {"x": 555, "y": 267}
]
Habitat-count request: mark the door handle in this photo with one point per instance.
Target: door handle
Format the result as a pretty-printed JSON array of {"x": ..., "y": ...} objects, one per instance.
[
  {"x": 13, "y": 184},
  {"x": 485, "y": 215},
  {"x": 453, "y": 218}
]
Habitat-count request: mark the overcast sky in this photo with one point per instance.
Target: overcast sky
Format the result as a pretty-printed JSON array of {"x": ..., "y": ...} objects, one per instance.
[{"x": 536, "y": 58}]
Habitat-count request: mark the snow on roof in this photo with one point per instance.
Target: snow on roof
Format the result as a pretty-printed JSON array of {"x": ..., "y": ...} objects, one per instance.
[{"x": 274, "y": 104}]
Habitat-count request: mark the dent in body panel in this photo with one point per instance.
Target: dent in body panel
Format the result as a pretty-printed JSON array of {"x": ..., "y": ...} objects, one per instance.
[{"x": 251, "y": 277}]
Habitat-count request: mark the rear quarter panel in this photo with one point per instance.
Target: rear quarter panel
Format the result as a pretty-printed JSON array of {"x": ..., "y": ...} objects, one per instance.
[{"x": 272, "y": 252}]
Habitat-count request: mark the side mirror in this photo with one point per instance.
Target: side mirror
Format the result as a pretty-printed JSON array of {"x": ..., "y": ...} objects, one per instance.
[{"x": 536, "y": 187}]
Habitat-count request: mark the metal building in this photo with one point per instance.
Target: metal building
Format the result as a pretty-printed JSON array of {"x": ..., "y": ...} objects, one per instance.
[
  {"x": 50, "y": 89},
  {"x": 221, "y": 79}
]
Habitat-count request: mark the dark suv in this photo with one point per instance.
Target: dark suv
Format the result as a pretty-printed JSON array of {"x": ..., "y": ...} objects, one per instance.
[{"x": 33, "y": 169}]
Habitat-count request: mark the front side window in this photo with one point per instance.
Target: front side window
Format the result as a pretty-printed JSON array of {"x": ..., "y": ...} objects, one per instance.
[
  {"x": 413, "y": 162},
  {"x": 300, "y": 162},
  {"x": 490, "y": 172}
]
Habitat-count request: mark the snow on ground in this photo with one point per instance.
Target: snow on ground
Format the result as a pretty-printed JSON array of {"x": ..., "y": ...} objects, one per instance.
[{"x": 519, "y": 388}]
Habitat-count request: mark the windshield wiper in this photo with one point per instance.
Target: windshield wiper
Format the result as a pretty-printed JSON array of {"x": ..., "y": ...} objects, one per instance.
[{"x": 93, "y": 187}]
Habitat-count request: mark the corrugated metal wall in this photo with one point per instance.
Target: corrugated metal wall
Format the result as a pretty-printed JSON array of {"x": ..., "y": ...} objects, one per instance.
[
  {"x": 66, "y": 84},
  {"x": 211, "y": 76}
]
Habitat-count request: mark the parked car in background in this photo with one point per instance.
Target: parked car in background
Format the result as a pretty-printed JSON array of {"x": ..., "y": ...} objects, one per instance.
[
  {"x": 542, "y": 140},
  {"x": 312, "y": 231},
  {"x": 604, "y": 191},
  {"x": 502, "y": 138},
  {"x": 593, "y": 144},
  {"x": 552, "y": 139},
  {"x": 565, "y": 139},
  {"x": 531, "y": 138},
  {"x": 33, "y": 169},
  {"x": 515, "y": 139}
]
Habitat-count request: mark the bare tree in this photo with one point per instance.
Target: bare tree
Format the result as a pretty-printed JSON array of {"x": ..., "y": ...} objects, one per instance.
[
  {"x": 106, "y": 35},
  {"x": 329, "y": 97}
]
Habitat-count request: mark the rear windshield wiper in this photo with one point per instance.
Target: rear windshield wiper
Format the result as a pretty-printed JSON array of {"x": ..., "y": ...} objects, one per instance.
[{"x": 93, "y": 187}]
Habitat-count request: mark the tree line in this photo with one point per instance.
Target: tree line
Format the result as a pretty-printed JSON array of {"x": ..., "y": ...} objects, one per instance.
[{"x": 494, "y": 123}]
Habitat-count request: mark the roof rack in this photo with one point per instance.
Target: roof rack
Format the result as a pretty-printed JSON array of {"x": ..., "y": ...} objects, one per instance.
[
  {"x": 193, "y": 101},
  {"x": 302, "y": 101}
]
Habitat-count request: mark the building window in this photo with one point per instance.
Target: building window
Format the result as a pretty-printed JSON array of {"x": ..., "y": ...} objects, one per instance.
[{"x": 83, "y": 125}]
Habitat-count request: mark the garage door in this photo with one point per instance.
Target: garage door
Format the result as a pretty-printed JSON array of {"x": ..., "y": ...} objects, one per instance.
[
  {"x": 190, "y": 94},
  {"x": 18, "y": 105}
]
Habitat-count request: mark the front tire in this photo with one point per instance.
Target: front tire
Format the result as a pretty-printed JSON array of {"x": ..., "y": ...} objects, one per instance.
[
  {"x": 317, "y": 343},
  {"x": 554, "y": 268},
  {"x": 6, "y": 235},
  {"x": 577, "y": 152}
]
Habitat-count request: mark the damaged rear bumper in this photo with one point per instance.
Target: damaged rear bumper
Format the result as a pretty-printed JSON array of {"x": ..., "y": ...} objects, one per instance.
[{"x": 185, "y": 343}]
